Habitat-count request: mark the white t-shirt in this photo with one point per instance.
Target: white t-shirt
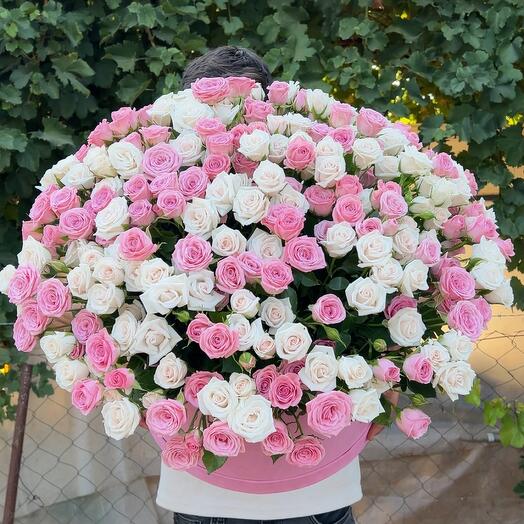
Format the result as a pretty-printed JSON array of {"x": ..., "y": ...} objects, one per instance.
[{"x": 180, "y": 492}]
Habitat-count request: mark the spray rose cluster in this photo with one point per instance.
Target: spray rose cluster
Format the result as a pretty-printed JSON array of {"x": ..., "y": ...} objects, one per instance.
[{"x": 223, "y": 262}]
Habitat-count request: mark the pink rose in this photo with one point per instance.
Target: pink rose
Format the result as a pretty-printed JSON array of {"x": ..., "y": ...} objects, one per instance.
[
  {"x": 236, "y": 132},
  {"x": 277, "y": 92},
  {"x": 308, "y": 451},
  {"x": 300, "y": 154},
  {"x": 284, "y": 220},
  {"x": 135, "y": 139},
  {"x": 31, "y": 228},
  {"x": 472, "y": 182},
  {"x": 154, "y": 134},
  {"x": 251, "y": 264},
  {"x": 82, "y": 152},
  {"x": 444, "y": 166},
  {"x": 85, "y": 324},
  {"x": 215, "y": 164},
  {"x": 386, "y": 371},
  {"x": 53, "y": 298},
  {"x": 23, "y": 284},
  {"x": 220, "y": 144},
  {"x": 278, "y": 442},
  {"x": 64, "y": 199},
  {"x": 123, "y": 120},
  {"x": 219, "y": 341},
  {"x": 348, "y": 185},
  {"x": 240, "y": 86},
  {"x": 390, "y": 227},
  {"x": 229, "y": 275},
  {"x": 136, "y": 188},
  {"x": 369, "y": 225},
  {"x": 295, "y": 366},
  {"x": 294, "y": 183},
  {"x": 318, "y": 131},
  {"x": 413, "y": 422},
  {"x": 263, "y": 378},
  {"x": 276, "y": 276},
  {"x": 392, "y": 205},
  {"x": 41, "y": 211},
  {"x": 243, "y": 164},
  {"x": 192, "y": 253},
  {"x": 445, "y": 262},
  {"x": 120, "y": 378},
  {"x": 161, "y": 159},
  {"x": 178, "y": 453},
  {"x": 342, "y": 114},
  {"x": 101, "y": 198},
  {"x": 32, "y": 318},
  {"x": 348, "y": 208},
  {"x": 257, "y": 110},
  {"x": 345, "y": 136},
  {"x": 418, "y": 368},
  {"x": 321, "y": 200},
  {"x": 101, "y": 133},
  {"x": 78, "y": 351},
  {"x": 170, "y": 203},
  {"x": 143, "y": 115},
  {"x": 101, "y": 351},
  {"x": 399, "y": 302},
  {"x": 506, "y": 247},
  {"x": 481, "y": 226},
  {"x": 428, "y": 251},
  {"x": 23, "y": 340},
  {"x": 221, "y": 440},
  {"x": 456, "y": 283},
  {"x": 134, "y": 244},
  {"x": 85, "y": 395},
  {"x": 285, "y": 391},
  {"x": 300, "y": 101},
  {"x": 383, "y": 187},
  {"x": 76, "y": 223},
  {"x": 484, "y": 309},
  {"x": 454, "y": 227},
  {"x": 329, "y": 413},
  {"x": 141, "y": 213},
  {"x": 163, "y": 182},
  {"x": 465, "y": 317},
  {"x": 370, "y": 122},
  {"x": 165, "y": 417},
  {"x": 195, "y": 382},
  {"x": 328, "y": 309},
  {"x": 207, "y": 127},
  {"x": 210, "y": 90},
  {"x": 408, "y": 133},
  {"x": 474, "y": 209},
  {"x": 303, "y": 253},
  {"x": 197, "y": 326},
  {"x": 320, "y": 229}
]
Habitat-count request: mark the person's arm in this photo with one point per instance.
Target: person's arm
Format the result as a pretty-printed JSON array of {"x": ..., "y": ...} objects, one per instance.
[{"x": 375, "y": 429}]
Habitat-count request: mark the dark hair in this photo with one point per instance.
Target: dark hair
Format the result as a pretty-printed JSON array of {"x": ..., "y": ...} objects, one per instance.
[{"x": 228, "y": 61}]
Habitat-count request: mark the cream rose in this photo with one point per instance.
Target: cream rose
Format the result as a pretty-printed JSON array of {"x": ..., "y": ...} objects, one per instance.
[
  {"x": 171, "y": 372},
  {"x": 269, "y": 177},
  {"x": 329, "y": 169},
  {"x": 387, "y": 168},
  {"x": 152, "y": 272},
  {"x": 366, "y": 404},
  {"x": 104, "y": 299},
  {"x": 226, "y": 241},
  {"x": 79, "y": 280},
  {"x": 320, "y": 370},
  {"x": 189, "y": 146},
  {"x": 392, "y": 140},
  {"x": 276, "y": 124},
  {"x": 79, "y": 176},
  {"x": 366, "y": 152},
  {"x": 187, "y": 112},
  {"x": 111, "y": 221},
  {"x": 415, "y": 277},
  {"x": 436, "y": 353},
  {"x": 57, "y": 345},
  {"x": 501, "y": 295},
  {"x": 121, "y": 418},
  {"x": 254, "y": 145},
  {"x": 252, "y": 419},
  {"x": 34, "y": 254},
  {"x": 243, "y": 385},
  {"x": 217, "y": 398},
  {"x": 275, "y": 312},
  {"x": 6, "y": 274},
  {"x": 55, "y": 173},
  {"x": 366, "y": 296},
  {"x": 160, "y": 111},
  {"x": 405, "y": 243},
  {"x": 264, "y": 347},
  {"x": 169, "y": 293},
  {"x": 97, "y": 160},
  {"x": 201, "y": 291},
  {"x": 489, "y": 251},
  {"x": 244, "y": 302},
  {"x": 109, "y": 270},
  {"x": 277, "y": 147},
  {"x": 124, "y": 330},
  {"x": 374, "y": 249},
  {"x": 291, "y": 196},
  {"x": 413, "y": 162},
  {"x": 125, "y": 158},
  {"x": 389, "y": 274},
  {"x": 455, "y": 378},
  {"x": 226, "y": 111},
  {"x": 459, "y": 346},
  {"x": 488, "y": 275},
  {"x": 406, "y": 327},
  {"x": 354, "y": 371},
  {"x": 250, "y": 205},
  {"x": 297, "y": 122},
  {"x": 68, "y": 371},
  {"x": 222, "y": 190},
  {"x": 200, "y": 217},
  {"x": 340, "y": 240},
  {"x": 292, "y": 341}
]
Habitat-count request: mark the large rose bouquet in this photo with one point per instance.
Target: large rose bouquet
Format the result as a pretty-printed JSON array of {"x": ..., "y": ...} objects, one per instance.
[{"x": 220, "y": 266}]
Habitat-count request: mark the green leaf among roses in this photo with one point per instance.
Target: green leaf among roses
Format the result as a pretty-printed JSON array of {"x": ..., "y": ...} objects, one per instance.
[{"x": 212, "y": 462}]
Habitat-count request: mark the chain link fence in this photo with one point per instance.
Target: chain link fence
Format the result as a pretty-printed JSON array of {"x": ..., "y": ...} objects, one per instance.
[{"x": 458, "y": 473}]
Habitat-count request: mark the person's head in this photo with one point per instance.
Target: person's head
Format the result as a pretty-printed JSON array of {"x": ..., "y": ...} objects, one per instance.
[{"x": 227, "y": 61}]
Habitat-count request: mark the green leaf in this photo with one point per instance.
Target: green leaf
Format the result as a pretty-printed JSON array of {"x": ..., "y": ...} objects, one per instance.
[
  {"x": 10, "y": 94},
  {"x": 494, "y": 410},
  {"x": 124, "y": 54},
  {"x": 332, "y": 333},
  {"x": 12, "y": 139},
  {"x": 338, "y": 283},
  {"x": 212, "y": 462},
  {"x": 473, "y": 397},
  {"x": 132, "y": 86},
  {"x": 55, "y": 133},
  {"x": 507, "y": 430},
  {"x": 231, "y": 25},
  {"x": 426, "y": 390},
  {"x": 274, "y": 458}
]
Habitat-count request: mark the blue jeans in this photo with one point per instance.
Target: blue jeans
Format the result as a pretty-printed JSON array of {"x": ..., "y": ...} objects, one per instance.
[{"x": 339, "y": 516}]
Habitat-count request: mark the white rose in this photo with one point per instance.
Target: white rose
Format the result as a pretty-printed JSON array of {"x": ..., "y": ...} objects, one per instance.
[
  {"x": 68, "y": 371},
  {"x": 277, "y": 147},
  {"x": 247, "y": 332},
  {"x": 153, "y": 271},
  {"x": 387, "y": 168},
  {"x": 291, "y": 196},
  {"x": 254, "y": 145},
  {"x": 366, "y": 151},
  {"x": 111, "y": 221},
  {"x": 489, "y": 251},
  {"x": 244, "y": 302},
  {"x": 160, "y": 111},
  {"x": 97, "y": 160},
  {"x": 201, "y": 290},
  {"x": 275, "y": 312},
  {"x": 226, "y": 241},
  {"x": 328, "y": 146},
  {"x": 340, "y": 240},
  {"x": 71, "y": 257},
  {"x": 415, "y": 277},
  {"x": 243, "y": 385},
  {"x": 257, "y": 93},
  {"x": 222, "y": 190},
  {"x": 200, "y": 217},
  {"x": 125, "y": 158},
  {"x": 79, "y": 280},
  {"x": 366, "y": 405},
  {"x": 455, "y": 378},
  {"x": 436, "y": 353},
  {"x": 459, "y": 346},
  {"x": 292, "y": 341},
  {"x": 501, "y": 295},
  {"x": 90, "y": 254},
  {"x": 124, "y": 330},
  {"x": 366, "y": 296},
  {"x": 250, "y": 205},
  {"x": 155, "y": 337},
  {"x": 297, "y": 122},
  {"x": 55, "y": 173},
  {"x": 374, "y": 249},
  {"x": 169, "y": 293},
  {"x": 104, "y": 299},
  {"x": 6, "y": 274},
  {"x": 171, "y": 372},
  {"x": 354, "y": 371},
  {"x": 365, "y": 198},
  {"x": 439, "y": 190},
  {"x": 135, "y": 308},
  {"x": 34, "y": 254},
  {"x": 121, "y": 418},
  {"x": 186, "y": 113},
  {"x": 392, "y": 140},
  {"x": 405, "y": 243},
  {"x": 264, "y": 347},
  {"x": 149, "y": 398},
  {"x": 488, "y": 275},
  {"x": 79, "y": 176},
  {"x": 318, "y": 102},
  {"x": 265, "y": 245},
  {"x": 226, "y": 111},
  {"x": 269, "y": 177},
  {"x": 406, "y": 327},
  {"x": 412, "y": 162},
  {"x": 252, "y": 419},
  {"x": 189, "y": 146},
  {"x": 389, "y": 274},
  {"x": 132, "y": 274},
  {"x": 329, "y": 169},
  {"x": 422, "y": 206},
  {"x": 108, "y": 270},
  {"x": 217, "y": 398},
  {"x": 276, "y": 124},
  {"x": 116, "y": 184},
  {"x": 320, "y": 370},
  {"x": 57, "y": 345}
]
